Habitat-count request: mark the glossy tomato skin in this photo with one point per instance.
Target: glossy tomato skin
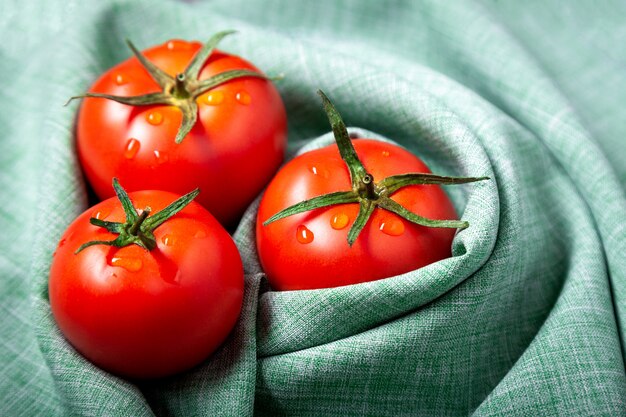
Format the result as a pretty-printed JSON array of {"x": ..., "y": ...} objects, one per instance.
[
  {"x": 241, "y": 129},
  {"x": 143, "y": 314},
  {"x": 319, "y": 256}
]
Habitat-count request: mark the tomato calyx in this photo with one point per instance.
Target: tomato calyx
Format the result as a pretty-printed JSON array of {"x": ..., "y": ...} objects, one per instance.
[
  {"x": 368, "y": 193},
  {"x": 138, "y": 229},
  {"x": 182, "y": 90}
]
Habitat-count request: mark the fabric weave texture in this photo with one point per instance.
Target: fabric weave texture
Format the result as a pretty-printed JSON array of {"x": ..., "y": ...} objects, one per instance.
[{"x": 527, "y": 318}]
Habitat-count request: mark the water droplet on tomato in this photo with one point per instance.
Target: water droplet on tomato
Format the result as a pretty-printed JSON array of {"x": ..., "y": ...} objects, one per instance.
[
  {"x": 322, "y": 172},
  {"x": 304, "y": 235},
  {"x": 62, "y": 242},
  {"x": 120, "y": 79},
  {"x": 214, "y": 98},
  {"x": 200, "y": 234},
  {"x": 243, "y": 97},
  {"x": 385, "y": 153},
  {"x": 161, "y": 157},
  {"x": 132, "y": 147},
  {"x": 177, "y": 44},
  {"x": 129, "y": 263},
  {"x": 339, "y": 221},
  {"x": 154, "y": 118},
  {"x": 169, "y": 240},
  {"x": 101, "y": 213},
  {"x": 391, "y": 226}
]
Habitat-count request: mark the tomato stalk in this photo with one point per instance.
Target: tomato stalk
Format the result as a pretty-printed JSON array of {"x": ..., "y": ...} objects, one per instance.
[
  {"x": 138, "y": 229},
  {"x": 365, "y": 191},
  {"x": 182, "y": 90}
]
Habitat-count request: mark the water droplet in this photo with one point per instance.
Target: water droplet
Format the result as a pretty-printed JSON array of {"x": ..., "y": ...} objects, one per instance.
[
  {"x": 391, "y": 226},
  {"x": 304, "y": 235},
  {"x": 62, "y": 242},
  {"x": 120, "y": 79},
  {"x": 243, "y": 97},
  {"x": 169, "y": 240},
  {"x": 385, "y": 153},
  {"x": 101, "y": 213},
  {"x": 161, "y": 157},
  {"x": 154, "y": 118},
  {"x": 129, "y": 263},
  {"x": 177, "y": 44},
  {"x": 200, "y": 234},
  {"x": 322, "y": 172},
  {"x": 132, "y": 147},
  {"x": 214, "y": 98},
  {"x": 339, "y": 221}
]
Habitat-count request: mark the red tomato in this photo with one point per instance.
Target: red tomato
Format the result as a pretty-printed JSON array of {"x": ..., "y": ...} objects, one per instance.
[
  {"x": 231, "y": 153},
  {"x": 310, "y": 250},
  {"x": 140, "y": 313}
]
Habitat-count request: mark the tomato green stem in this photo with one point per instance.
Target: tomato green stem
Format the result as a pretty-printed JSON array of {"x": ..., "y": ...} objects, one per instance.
[
  {"x": 365, "y": 191},
  {"x": 182, "y": 90},
  {"x": 138, "y": 229},
  {"x": 134, "y": 228}
]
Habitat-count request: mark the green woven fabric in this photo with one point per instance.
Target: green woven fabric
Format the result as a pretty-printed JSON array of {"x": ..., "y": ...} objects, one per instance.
[{"x": 527, "y": 318}]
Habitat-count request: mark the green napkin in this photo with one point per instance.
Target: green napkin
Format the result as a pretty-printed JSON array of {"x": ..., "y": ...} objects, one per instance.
[{"x": 527, "y": 318}]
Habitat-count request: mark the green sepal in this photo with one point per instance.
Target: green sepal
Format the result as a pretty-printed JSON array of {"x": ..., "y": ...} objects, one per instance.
[
  {"x": 193, "y": 69},
  {"x": 112, "y": 227},
  {"x": 157, "y": 219},
  {"x": 400, "y": 210},
  {"x": 162, "y": 78},
  {"x": 342, "y": 138},
  {"x": 340, "y": 197},
  {"x": 150, "y": 99},
  {"x": 224, "y": 77},
  {"x": 366, "y": 208},
  {"x": 189, "y": 109},
  {"x": 127, "y": 205},
  {"x": 180, "y": 91},
  {"x": 138, "y": 229},
  {"x": 396, "y": 182},
  {"x": 367, "y": 193}
]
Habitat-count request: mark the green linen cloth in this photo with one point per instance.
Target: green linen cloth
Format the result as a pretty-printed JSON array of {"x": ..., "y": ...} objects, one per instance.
[{"x": 527, "y": 318}]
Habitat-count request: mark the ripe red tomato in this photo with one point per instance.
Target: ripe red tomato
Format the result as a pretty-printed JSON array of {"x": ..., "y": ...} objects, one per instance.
[
  {"x": 310, "y": 250},
  {"x": 140, "y": 313},
  {"x": 241, "y": 129}
]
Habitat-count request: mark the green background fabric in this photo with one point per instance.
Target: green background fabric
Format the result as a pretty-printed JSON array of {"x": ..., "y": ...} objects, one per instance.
[{"x": 527, "y": 318}]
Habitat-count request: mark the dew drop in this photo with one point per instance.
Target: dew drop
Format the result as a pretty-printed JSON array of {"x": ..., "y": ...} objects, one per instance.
[
  {"x": 154, "y": 118},
  {"x": 322, "y": 172},
  {"x": 101, "y": 213},
  {"x": 129, "y": 263},
  {"x": 161, "y": 157},
  {"x": 391, "y": 226},
  {"x": 339, "y": 221},
  {"x": 177, "y": 44},
  {"x": 120, "y": 79},
  {"x": 132, "y": 147},
  {"x": 62, "y": 242},
  {"x": 243, "y": 97},
  {"x": 385, "y": 153},
  {"x": 200, "y": 234},
  {"x": 304, "y": 235},
  {"x": 214, "y": 98},
  {"x": 169, "y": 240}
]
